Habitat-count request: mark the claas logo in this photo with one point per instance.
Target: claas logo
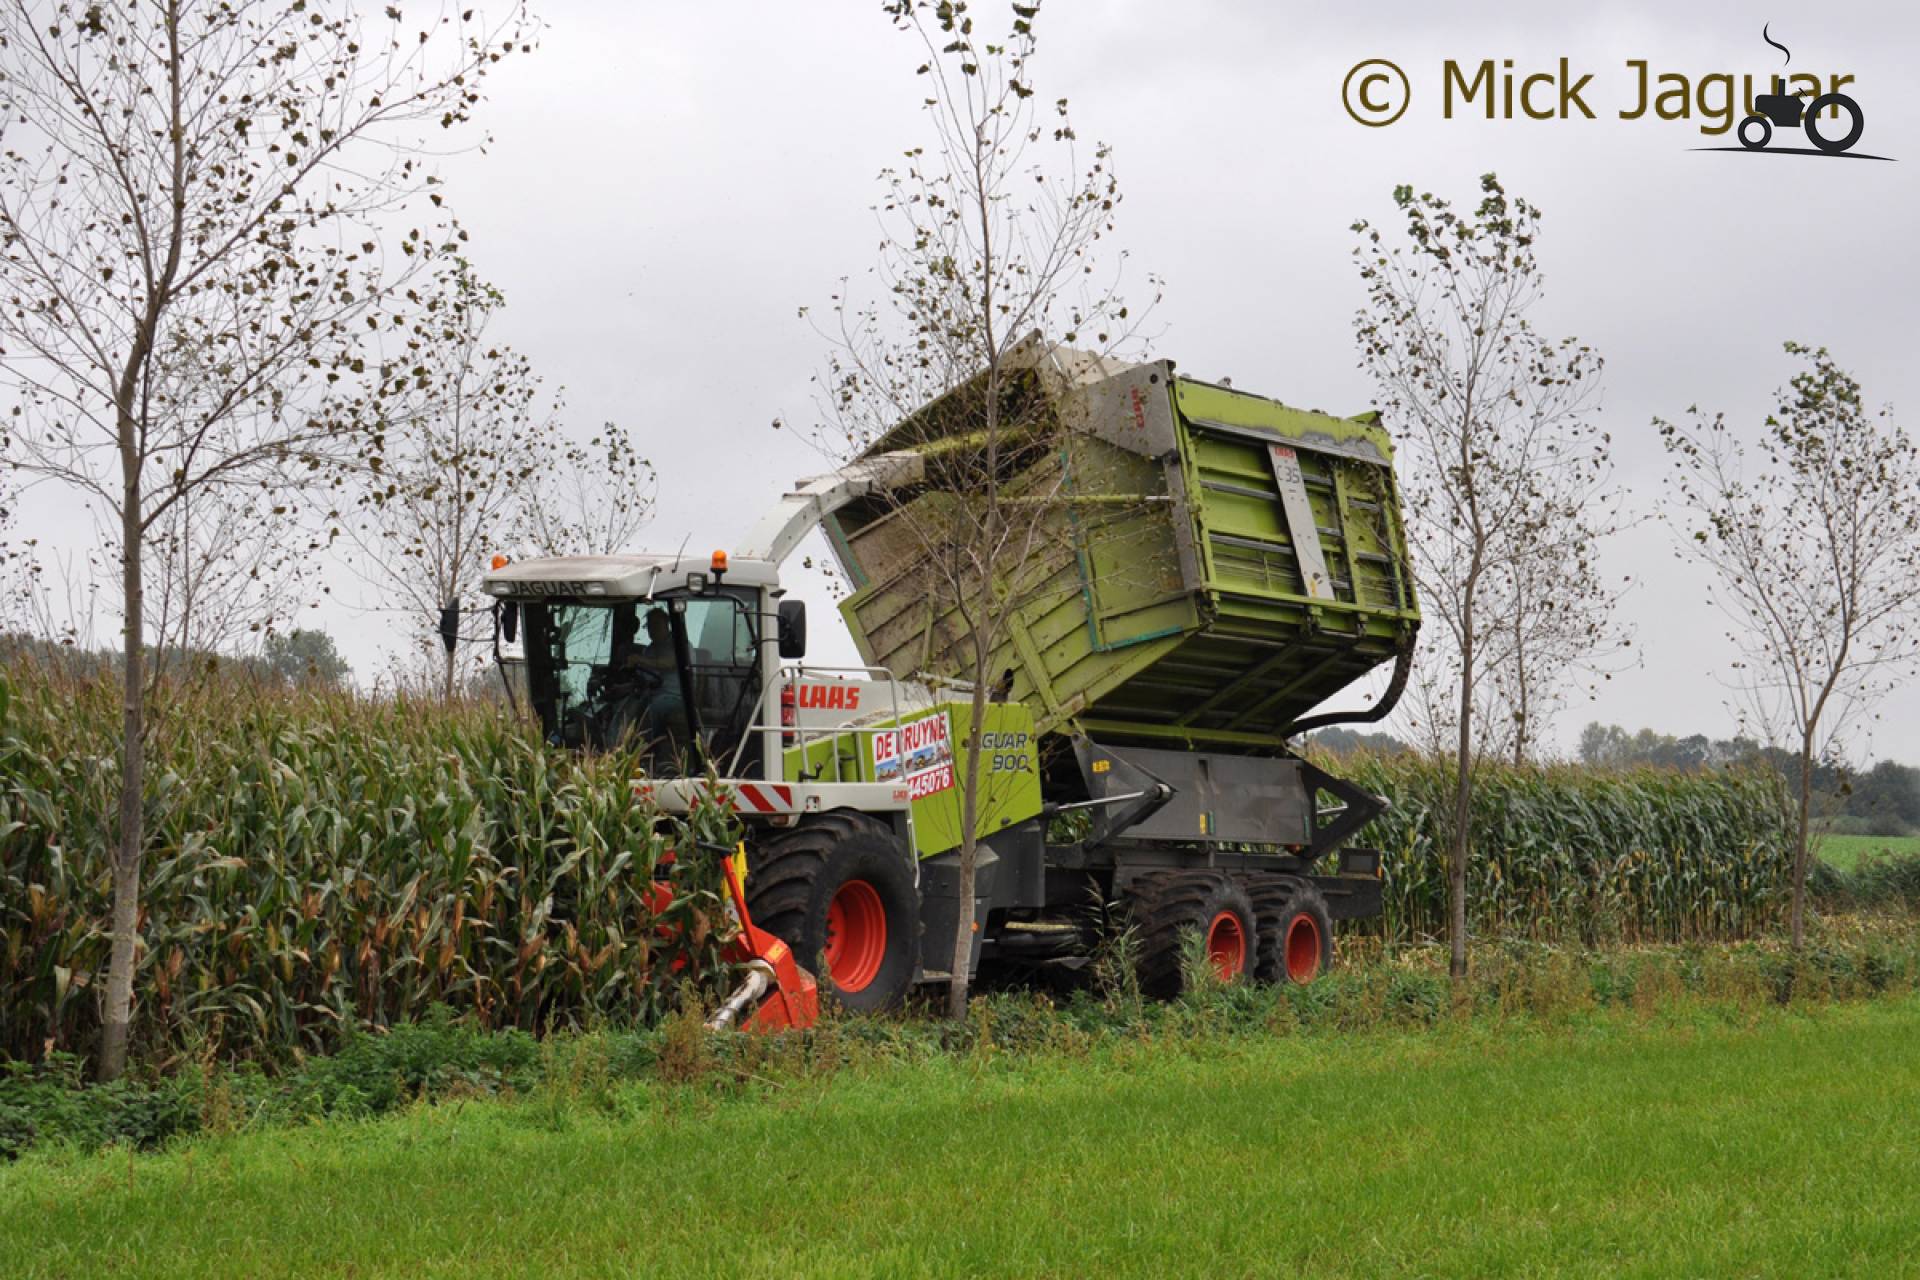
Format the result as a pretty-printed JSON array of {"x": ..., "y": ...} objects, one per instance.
[{"x": 832, "y": 697}]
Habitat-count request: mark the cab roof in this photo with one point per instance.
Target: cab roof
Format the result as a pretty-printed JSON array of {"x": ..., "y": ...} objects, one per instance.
[{"x": 623, "y": 577}]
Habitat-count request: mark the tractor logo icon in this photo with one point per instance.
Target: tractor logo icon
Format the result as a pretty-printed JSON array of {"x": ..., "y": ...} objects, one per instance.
[
  {"x": 1833, "y": 122},
  {"x": 1784, "y": 110}
]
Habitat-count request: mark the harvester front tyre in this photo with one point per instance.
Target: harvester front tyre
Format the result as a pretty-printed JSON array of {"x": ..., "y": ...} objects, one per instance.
[
  {"x": 1168, "y": 909},
  {"x": 839, "y": 890},
  {"x": 1296, "y": 933}
]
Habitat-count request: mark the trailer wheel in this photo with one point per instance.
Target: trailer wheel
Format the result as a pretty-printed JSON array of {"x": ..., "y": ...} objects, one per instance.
[
  {"x": 1170, "y": 908},
  {"x": 838, "y": 889},
  {"x": 1296, "y": 933}
]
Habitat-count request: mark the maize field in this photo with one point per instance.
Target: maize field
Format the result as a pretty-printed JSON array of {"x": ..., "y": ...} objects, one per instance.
[
  {"x": 317, "y": 861},
  {"x": 1575, "y": 853}
]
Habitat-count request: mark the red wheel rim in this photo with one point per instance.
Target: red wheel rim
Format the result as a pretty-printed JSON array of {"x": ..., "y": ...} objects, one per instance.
[
  {"x": 856, "y": 936},
  {"x": 1303, "y": 948},
  {"x": 1227, "y": 946}
]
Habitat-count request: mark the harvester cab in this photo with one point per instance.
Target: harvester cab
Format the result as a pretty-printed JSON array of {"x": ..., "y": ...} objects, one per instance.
[
  {"x": 1216, "y": 565},
  {"x": 660, "y": 649}
]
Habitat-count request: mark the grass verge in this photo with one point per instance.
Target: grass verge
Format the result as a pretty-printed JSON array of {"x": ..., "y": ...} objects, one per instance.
[
  {"x": 449, "y": 1057},
  {"x": 1693, "y": 1139}
]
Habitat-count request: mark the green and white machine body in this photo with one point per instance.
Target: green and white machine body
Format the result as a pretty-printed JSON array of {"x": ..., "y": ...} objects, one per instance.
[{"x": 1213, "y": 567}]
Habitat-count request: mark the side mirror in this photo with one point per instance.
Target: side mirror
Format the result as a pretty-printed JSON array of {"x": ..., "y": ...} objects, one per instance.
[
  {"x": 793, "y": 628},
  {"x": 450, "y": 626},
  {"x": 509, "y": 620}
]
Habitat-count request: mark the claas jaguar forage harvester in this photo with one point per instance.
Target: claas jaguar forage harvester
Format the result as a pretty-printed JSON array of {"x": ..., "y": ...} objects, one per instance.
[{"x": 1211, "y": 566}]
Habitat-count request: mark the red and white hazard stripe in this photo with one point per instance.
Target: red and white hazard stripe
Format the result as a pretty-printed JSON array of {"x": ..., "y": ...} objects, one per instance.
[{"x": 764, "y": 797}]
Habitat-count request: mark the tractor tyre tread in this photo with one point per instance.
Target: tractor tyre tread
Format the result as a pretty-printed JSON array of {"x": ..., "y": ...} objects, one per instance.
[
  {"x": 788, "y": 894},
  {"x": 1278, "y": 897},
  {"x": 1169, "y": 906}
]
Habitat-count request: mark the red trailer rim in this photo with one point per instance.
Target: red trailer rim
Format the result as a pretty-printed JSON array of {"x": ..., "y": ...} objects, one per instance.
[
  {"x": 1227, "y": 946},
  {"x": 856, "y": 936},
  {"x": 1303, "y": 948}
]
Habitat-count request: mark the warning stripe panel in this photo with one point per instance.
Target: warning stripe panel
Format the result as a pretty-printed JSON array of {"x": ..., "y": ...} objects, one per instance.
[{"x": 765, "y": 799}]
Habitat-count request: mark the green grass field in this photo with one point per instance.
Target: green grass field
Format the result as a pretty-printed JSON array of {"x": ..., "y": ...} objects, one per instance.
[
  {"x": 1697, "y": 1143},
  {"x": 1845, "y": 852}
]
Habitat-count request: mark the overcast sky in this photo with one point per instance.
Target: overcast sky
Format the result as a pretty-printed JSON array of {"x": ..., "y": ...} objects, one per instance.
[{"x": 668, "y": 184}]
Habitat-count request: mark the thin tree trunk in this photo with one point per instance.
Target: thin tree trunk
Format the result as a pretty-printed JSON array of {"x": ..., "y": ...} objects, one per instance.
[
  {"x": 133, "y": 749},
  {"x": 962, "y": 977},
  {"x": 446, "y": 683},
  {"x": 1799, "y": 913},
  {"x": 127, "y": 858},
  {"x": 969, "y": 848},
  {"x": 1519, "y": 680},
  {"x": 1462, "y": 811}
]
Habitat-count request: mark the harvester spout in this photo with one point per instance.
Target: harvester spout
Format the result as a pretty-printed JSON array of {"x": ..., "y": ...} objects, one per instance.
[{"x": 781, "y": 529}]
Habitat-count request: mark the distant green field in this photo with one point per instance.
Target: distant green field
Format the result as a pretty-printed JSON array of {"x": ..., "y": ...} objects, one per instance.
[
  {"x": 1758, "y": 1142},
  {"x": 1845, "y": 852}
]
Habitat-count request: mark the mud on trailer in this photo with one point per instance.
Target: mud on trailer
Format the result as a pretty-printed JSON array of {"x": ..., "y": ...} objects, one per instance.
[{"x": 1215, "y": 565}]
